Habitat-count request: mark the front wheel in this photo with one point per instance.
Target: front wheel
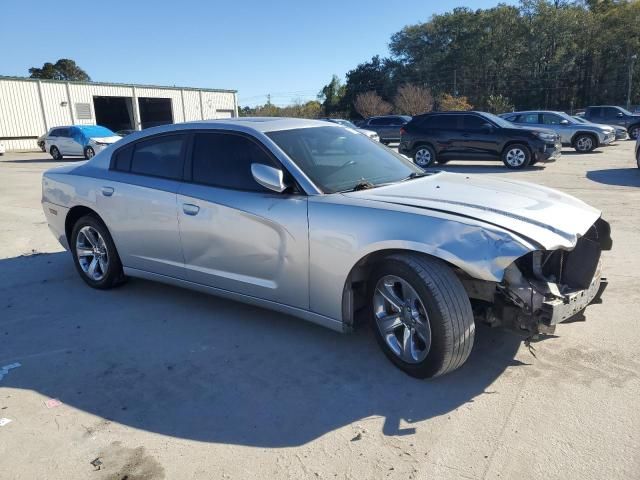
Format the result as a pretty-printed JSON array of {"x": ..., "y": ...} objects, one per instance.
[
  {"x": 89, "y": 153},
  {"x": 423, "y": 156},
  {"x": 516, "y": 156},
  {"x": 584, "y": 143},
  {"x": 55, "y": 153},
  {"x": 94, "y": 254},
  {"x": 421, "y": 314}
]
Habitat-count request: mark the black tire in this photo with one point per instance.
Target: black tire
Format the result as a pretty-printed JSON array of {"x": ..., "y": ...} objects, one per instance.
[
  {"x": 448, "y": 311},
  {"x": 516, "y": 156},
  {"x": 424, "y": 156},
  {"x": 634, "y": 131},
  {"x": 585, "y": 143},
  {"x": 55, "y": 153},
  {"x": 89, "y": 153},
  {"x": 42, "y": 147},
  {"x": 638, "y": 158},
  {"x": 114, "y": 275}
]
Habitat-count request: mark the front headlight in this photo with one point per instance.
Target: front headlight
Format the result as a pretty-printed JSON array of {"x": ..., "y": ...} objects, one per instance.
[{"x": 547, "y": 137}]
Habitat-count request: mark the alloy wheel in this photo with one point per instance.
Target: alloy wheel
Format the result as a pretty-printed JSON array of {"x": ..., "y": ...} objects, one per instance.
[
  {"x": 90, "y": 153},
  {"x": 423, "y": 157},
  {"x": 634, "y": 133},
  {"x": 516, "y": 157},
  {"x": 402, "y": 319},
  {"x": 92, "y": 254},
  {"x": 584, "y": 144}
]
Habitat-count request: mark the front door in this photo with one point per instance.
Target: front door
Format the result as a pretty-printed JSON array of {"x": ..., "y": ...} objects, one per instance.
[{"x": 237, "y": 235}]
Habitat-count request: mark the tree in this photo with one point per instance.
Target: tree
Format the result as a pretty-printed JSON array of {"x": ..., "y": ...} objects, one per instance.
[
  {"x": 331, "y": 96},
  {"x": 499, "y": 104},
  {"x": 448, "y": 102},
  {"x": 63, "y": 69},
  {"x": 369, "y": 104},
  {"x": 412, "y": 99}
]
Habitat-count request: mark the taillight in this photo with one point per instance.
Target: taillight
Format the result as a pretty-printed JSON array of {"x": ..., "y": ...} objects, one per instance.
[{"x": 402, "y": 131}]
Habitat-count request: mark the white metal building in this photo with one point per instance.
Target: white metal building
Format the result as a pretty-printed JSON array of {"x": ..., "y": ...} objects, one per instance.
[{"x": 30, "y": 107}]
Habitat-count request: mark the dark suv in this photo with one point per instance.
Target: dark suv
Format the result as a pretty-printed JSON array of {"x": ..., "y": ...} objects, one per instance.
[
  {"x": 612, "y": 115},
  {"x": 445, "y": 136},
  {"x": 387, "y": 127}
]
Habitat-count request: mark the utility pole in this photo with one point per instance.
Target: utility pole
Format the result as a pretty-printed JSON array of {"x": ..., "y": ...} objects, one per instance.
[
  {"x": 268, "y": 99},
  {"x": 632, "y": 60},
  {"x": 455, "y": 83}
]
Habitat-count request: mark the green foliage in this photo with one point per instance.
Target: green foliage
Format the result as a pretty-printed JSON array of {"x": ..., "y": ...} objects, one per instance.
[
  {"x": 540, "y": 54},
  {"x": 312, "y": 109},
  {"x": 63, "y": 69},
  {"x": 331, "y": 96},
  {"x": 498, "y": 104}
]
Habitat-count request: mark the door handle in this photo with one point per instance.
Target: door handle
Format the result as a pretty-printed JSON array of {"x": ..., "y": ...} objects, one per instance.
[
  {"x": 107, "y": 191},
  {"x": 190, "y": 209}
]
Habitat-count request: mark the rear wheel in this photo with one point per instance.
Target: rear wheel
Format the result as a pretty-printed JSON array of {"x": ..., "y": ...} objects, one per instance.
[
  {"x": 516, "y": 156},
  {"x": 94, "y": 254},
  {"x": 424, "y": 155},
  {"x": 89, "y": 153},
  {"x": 55, "y": 153},
  {"x": 634, "y": 132},
  {"x": 584, "y": 143},
  {"x": 421, "y": 314}
]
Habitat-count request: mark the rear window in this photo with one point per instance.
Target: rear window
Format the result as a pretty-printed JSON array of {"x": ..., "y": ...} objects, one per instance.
[
  {"x": 445, "y": 122},
  {"x": 380, "y": 121},
  {"x": 159, "y": 157}
]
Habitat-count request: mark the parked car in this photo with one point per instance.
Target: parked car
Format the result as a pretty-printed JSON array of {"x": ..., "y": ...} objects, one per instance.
[
  {"x": 40, "y": 142},
  {"x": 638, "y": 152},
  {"x": 612, "y": 115},
  {"x": 387, "y": 126},
  {"x": 78, "y": 140},
  {"x": 619, "y": 132},
  {"x": 346, "y": 123},
  {"x": 254, "y": 211},
  {"x": 443, "y": 136},
  {"x": 3, "y": 149},
  {"x": 583, "y": 138}
]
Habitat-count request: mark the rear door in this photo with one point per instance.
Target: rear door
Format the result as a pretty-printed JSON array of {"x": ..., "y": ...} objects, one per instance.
[
  {"x": 138, "y": 203},
  {"x": 447, "y": 130},
  {"x": 382, "y": 125},
  {"x": 613, "y": 116},
  {"x": 236, "y": 235},
  {"x": 63, "y": 141}
]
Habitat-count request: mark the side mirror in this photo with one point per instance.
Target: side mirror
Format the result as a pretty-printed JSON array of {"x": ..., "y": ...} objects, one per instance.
[
  {"x": 620, "y": 114},
  {"x": 269, "y": 177},
  {"x": 487, "y": 127},
  {"x": 564, "y": 121}
]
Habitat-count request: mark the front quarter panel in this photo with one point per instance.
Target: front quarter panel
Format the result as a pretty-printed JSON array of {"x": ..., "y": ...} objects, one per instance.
[{"x": 342, "y": 232}]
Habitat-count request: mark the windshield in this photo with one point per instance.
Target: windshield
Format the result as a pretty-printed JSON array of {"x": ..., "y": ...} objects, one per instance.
[
  {"x": 501, "y": 122},
  {"x": 579, "y": 119},
  {"x": 625, "y": 111},
  {"x": 341, "y": 159}
]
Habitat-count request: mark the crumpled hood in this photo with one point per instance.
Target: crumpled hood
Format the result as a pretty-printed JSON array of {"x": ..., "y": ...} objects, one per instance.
[{"x": 539, "y": 214}]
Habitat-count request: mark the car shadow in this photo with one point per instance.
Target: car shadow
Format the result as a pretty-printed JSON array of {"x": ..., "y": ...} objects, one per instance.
[
  {"x": 189, "y": 365},
  {"x": 624, "y": 177},
  {"x": 572, "y": 153}
]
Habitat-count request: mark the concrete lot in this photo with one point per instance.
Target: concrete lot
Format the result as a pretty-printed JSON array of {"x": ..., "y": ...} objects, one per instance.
[{"x": 162, "y": 383}]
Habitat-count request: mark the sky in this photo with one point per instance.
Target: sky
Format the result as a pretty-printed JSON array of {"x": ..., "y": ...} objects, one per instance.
[{"x": 289, "y": 49}]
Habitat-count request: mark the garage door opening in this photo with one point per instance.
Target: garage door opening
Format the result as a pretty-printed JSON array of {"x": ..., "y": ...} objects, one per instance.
[
  {"x": 115, "y": 113},
  {"x": 155, "y": 111}
]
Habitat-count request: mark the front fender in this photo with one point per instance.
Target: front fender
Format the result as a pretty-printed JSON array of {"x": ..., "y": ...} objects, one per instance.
[{"x": 341, "y": 235}]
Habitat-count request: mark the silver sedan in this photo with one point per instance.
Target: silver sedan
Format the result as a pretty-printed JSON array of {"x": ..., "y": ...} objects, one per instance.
[{"x": 315, "y": 220}]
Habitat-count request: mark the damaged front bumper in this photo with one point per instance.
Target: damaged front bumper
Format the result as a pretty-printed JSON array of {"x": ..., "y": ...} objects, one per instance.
[{"x": 545, "y": 288}]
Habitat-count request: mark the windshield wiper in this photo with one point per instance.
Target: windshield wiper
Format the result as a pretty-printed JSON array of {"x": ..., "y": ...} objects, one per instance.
[
  {"x": 363, "y": 185},
  {"x": 413, "y": 175}
]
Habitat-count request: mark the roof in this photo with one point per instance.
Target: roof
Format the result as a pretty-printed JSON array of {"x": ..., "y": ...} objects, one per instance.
[
  {"x": 109, "y": 84},
  {"x": 263, "y": 124}
]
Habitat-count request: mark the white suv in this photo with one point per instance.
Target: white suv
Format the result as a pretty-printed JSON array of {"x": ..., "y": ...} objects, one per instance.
[{"x": 78, "y": 140}]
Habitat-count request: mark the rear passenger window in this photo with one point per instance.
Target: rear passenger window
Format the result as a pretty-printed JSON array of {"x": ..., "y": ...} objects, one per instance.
[
  {"x": 122, "y": 159},
  {"x": 159, "y": 157},
  {"x": 445, "y": 122},
  {"x": 224, "y": 160},
  {"x": 379, "y": 121},
  {"x": 530, "y": 118}
]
